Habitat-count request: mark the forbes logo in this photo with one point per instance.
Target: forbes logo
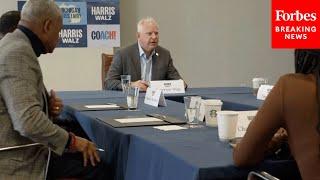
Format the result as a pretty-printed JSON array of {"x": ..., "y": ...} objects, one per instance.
[{"x": 281, "y": 15}]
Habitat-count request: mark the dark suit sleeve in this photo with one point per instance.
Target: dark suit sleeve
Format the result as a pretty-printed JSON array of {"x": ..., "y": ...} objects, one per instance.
[
  {"x": 113, "y": 81},
  {"x": 172, "y": 73}
]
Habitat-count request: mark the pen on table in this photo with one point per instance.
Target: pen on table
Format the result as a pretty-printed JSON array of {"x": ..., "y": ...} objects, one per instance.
[{"x": 99, "y": 149}]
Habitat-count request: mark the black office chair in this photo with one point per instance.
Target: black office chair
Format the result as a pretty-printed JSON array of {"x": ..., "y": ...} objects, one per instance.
[{"x": 261, "y": 176}]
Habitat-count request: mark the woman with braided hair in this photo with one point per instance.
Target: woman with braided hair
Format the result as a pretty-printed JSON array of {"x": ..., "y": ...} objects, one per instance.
[{"x": 293, "y": 104}]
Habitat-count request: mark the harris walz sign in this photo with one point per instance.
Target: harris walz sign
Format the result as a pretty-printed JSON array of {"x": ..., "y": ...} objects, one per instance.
[{"x": 88, "y": 23}]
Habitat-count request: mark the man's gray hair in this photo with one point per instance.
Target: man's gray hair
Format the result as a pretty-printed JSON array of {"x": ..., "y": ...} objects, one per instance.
[
  {"x": 40, "y": 10},
  {"x": 147, "y": 20}
]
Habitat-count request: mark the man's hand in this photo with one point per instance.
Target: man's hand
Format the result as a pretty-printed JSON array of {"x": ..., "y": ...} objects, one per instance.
[
  {"x": 142, "y": 85},
  {"x": 281, "y": 135},
  {"x": 55, "y": 105},
  {"x": 88, "y": 150}
]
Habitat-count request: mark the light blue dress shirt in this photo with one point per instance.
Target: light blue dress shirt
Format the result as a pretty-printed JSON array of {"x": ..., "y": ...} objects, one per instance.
[{"x": 146, "y": 64}]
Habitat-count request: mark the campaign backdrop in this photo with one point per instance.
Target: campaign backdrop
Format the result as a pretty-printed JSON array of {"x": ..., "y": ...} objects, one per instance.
[{"x": 88, "y": 23}]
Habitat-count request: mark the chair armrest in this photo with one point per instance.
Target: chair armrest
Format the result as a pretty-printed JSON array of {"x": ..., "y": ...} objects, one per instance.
[
  {"x": 19, "y": 146},
  {"x": 261, "y": 175}
]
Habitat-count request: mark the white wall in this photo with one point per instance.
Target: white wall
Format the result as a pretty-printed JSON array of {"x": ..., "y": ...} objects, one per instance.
[{"x": 213, "y": 43}]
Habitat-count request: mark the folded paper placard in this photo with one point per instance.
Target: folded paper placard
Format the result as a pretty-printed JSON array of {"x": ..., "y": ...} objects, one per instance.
[
  {"x": 264, "y": 91},
  {"x": 155, "y": 97},
  {"x": 169, "y": 86},
  {"x": 244, "y": 119}
]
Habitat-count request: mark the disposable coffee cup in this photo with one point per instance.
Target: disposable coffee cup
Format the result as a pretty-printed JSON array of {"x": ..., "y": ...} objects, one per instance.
[
  {"x": 256, "y": 83},
  {"x": 212, "y": 106},
  {"x": 227, "y": 124}
]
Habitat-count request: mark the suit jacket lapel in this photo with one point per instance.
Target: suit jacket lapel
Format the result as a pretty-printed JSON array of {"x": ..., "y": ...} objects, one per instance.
[{"x": 155, "y": 62}]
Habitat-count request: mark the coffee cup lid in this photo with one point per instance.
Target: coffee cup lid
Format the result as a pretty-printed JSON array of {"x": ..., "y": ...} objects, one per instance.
[
  {"x": 231, "y": 113},
  {"x": 258, "y": 79},
  {"x": 217, "y": 102}
]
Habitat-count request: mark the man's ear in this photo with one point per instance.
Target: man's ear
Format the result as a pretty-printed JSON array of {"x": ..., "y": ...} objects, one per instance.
[
  {"x": 138, "y": 35},
  {"x": 47, "y": 25}
]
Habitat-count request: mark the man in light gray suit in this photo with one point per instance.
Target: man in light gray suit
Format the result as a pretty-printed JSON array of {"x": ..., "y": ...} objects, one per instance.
[
  {"x": 8, "y": 23},
  {"x": 144, "y": 60},
  {"x": 29, "y": 138}
]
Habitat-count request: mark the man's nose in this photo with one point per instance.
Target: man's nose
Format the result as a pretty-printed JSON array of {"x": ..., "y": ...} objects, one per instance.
[{"x": 154, "y": 36}]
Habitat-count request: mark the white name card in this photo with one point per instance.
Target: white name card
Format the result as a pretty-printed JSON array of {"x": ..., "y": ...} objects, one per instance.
[
  {"x": 169, "y": 86},
  {"x": 155, "y": 97},
  {"x": 263, "y": 91},
  {"x": 244, "y": 119}
]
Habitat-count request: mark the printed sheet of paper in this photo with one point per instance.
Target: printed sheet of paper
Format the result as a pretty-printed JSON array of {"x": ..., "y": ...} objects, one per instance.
[
  {"x": 169, "y": 128},
  {"x": 106, "y": 106},
  {"x": 138, "y": 120}
]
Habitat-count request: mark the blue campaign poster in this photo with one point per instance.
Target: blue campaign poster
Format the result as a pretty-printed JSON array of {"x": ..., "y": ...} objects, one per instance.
[
  {"x": 73, "y": 36},
  {"x": 88, "y": 23},
  {"x": 73, "y": 13},
  {"x": 103, "y": 13}
]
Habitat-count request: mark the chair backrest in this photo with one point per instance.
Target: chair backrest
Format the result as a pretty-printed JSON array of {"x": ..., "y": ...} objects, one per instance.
[
  {"x": 261, "y": 176},
  {"x": 106, "y": 63}
]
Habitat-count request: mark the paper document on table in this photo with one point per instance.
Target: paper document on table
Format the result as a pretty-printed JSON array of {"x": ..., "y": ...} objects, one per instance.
[
  {"x": 244, "y": 119},
  {"x": 138, "y": 120},
  {"x": 169, "y": 128},
  {"x": 102, "y": 106}
]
